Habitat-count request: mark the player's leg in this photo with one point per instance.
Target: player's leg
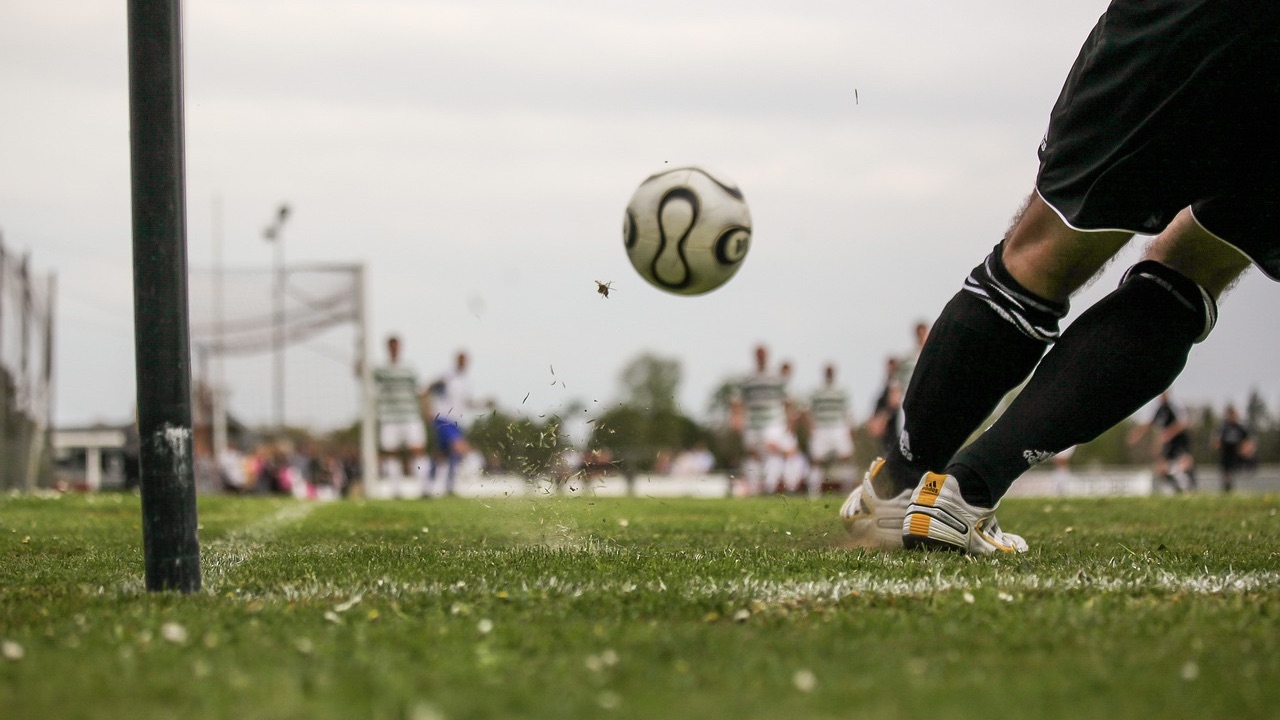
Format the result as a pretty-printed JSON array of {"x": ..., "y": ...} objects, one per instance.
[
  {"x": 752, "y": 463},
  {"x": 773, "y": 462},
  {"x": 793, "y": 462},
  {"x": 1163, "y": 474},
  {"x": 772, "y": 471},
  {"x": 990, "y": 336},
  {"x": 794, "y": 471},
  {"x": 1174, "y": 473},
  {"x": 820, "y": 461},
  {"x": 751, "y": 472},
  {"x": 390, "y": 442},
  {"x": 465, "y": 460},
  {"x": 1187, "y": 466},
  {"x": 819, "y": 471},
  {"x": 1112, "y": 361},
  {"x": 456, "y": 447},
  {"x": 1145, "y": 125},
  {"x": 841, "y": 472},
  {"x": 439, "y": 454},
  {"x": 825, "y": 456}
]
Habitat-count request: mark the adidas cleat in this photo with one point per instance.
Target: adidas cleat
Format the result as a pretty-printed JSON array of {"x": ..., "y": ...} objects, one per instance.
[
  {"x": 938, "y": 518},
  {"x": 873, "y": 521}
]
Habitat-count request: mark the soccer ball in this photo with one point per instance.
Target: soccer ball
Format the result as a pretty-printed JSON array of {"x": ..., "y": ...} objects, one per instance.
[{"x": 686, "y": 230}]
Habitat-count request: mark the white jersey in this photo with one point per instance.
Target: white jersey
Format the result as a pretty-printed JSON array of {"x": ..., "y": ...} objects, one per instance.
[
  {"x": 454, "y": 399},
  {"x": 906, "y": 368},
  {"x": 397, "y": 394}
]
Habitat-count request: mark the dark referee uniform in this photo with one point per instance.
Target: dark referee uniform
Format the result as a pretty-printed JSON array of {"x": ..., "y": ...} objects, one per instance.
[
  {"x": 1170, "y": 104},
  {"x": 1167, "y": 415}
]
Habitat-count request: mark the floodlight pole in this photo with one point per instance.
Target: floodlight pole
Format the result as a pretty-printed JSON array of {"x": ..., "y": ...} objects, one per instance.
[
  {"x": 219, "y": 382},
  {"x": 161, "y": 321},
  {"x": 275, "y": 234}
]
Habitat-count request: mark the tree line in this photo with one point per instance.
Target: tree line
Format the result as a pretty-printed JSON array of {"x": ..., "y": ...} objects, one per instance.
[{"x": 648, "y": 421}]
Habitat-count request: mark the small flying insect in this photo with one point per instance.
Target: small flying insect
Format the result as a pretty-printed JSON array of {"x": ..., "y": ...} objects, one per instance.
[{"x": 604, "y": 287}]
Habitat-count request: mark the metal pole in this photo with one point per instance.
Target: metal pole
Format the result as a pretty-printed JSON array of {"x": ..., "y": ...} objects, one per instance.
[
  {"x": 7, "y": 399},
  {"x": 279, "y": 337},
  {"x": 219, "y": 379},
  {"x": 41, "y": 439},
  {"x": 275, "y": 234},
  {"x": 24, "y": 385},
  {"x": 161, "y": 322},
  {"x": 368, "y": 421}
]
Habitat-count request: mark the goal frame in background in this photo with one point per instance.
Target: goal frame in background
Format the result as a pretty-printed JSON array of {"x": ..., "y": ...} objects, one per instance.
[{"x": 217, "y": 338}]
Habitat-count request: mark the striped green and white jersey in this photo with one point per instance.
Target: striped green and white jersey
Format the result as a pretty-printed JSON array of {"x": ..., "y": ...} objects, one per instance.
[
  {"x": 764, "y": 397},
  {"x": 397, "y": 394},
  {"x": 829, "y": 407}
]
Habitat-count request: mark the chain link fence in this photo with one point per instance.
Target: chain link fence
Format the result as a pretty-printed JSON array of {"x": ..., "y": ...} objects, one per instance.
[{"x": 26, "y": 372}]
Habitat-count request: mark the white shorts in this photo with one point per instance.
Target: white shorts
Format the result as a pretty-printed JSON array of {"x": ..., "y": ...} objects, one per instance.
[
  {"x": 757, "y": 440},
  {"x": 830, "y": 443},
  {"x": 393, "y": 436}
]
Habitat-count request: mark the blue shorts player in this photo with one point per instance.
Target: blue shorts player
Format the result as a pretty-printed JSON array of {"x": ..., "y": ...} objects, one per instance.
[{"x": 451, "y": 401}]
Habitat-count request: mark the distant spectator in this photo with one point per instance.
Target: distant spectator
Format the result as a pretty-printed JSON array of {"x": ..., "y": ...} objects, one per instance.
[
  {"x": 886, "y": 417},
  {"x": 1235, "y": 447},
  {"x": 697, "y": 460}
]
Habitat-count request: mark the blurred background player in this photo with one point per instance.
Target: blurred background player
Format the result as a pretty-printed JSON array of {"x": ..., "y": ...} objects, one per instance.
[
  {"x": 1175, "y": 466},
  {"x": 907, "y": 368},
  {"x": 907, "y": 365},
  {"x": 795, "y": 465},
  {"x": 450, "y": 404},
  {"x": 402, "y": 437},
  {"x": 1234, "y": 446},
  {"x": 1062, "y": 471},
  {"x": 758, "y": 411},
  {"x": 885, "y": 420},
  {"x": 830, "y": 435}
]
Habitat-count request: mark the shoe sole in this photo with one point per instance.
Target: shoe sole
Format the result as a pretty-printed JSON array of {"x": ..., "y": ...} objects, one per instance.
[
  {"x": 869, "y": 530},
  {"x": 928, "y": 544},
  {"x": 932, "y": 528},
  {"x": 868, "y": 533}
]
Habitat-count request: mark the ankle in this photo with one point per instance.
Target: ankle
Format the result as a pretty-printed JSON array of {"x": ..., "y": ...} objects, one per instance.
[
  {"x": 896, "y": 476},
  {"x": 973, "y": 488}
]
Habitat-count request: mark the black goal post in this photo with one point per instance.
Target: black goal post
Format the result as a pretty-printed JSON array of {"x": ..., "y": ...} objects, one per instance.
[{"x": 161, "y": 323}]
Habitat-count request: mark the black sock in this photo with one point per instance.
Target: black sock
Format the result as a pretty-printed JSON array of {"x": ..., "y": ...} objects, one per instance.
[
  {"x": 1118, "y": 355},
  {"x": 986, "y": 341}
]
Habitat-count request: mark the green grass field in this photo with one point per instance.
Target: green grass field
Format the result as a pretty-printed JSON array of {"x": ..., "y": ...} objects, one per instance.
[{"x": 639, "y": 608}]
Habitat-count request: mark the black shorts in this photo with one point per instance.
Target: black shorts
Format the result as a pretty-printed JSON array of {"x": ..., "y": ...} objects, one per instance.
[
  {"x": 1177, "y": 447},
  {"x": 1173, "y": 104}
]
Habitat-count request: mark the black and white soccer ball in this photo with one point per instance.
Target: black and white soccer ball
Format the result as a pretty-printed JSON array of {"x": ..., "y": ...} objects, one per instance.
[{"x": 687, "y": 231}]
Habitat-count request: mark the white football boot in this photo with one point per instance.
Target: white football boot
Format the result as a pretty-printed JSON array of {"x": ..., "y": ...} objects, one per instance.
[
  {"x": 938, "y": 518},
  {"x": 873, "y": 521}
]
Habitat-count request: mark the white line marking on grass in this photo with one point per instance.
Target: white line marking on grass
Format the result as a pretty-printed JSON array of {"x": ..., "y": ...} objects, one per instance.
[
  {"x": 834, "y": 589},
  {"x": 775, "y": 591},
  {"x": 219, "y": 557}
]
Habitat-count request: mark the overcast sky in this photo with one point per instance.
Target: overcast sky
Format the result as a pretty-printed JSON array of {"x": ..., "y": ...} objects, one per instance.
[{"x": 477, "y": 156}]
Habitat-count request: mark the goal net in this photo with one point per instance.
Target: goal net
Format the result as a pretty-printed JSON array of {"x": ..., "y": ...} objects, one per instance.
[{"x": 276, "y": 350}]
